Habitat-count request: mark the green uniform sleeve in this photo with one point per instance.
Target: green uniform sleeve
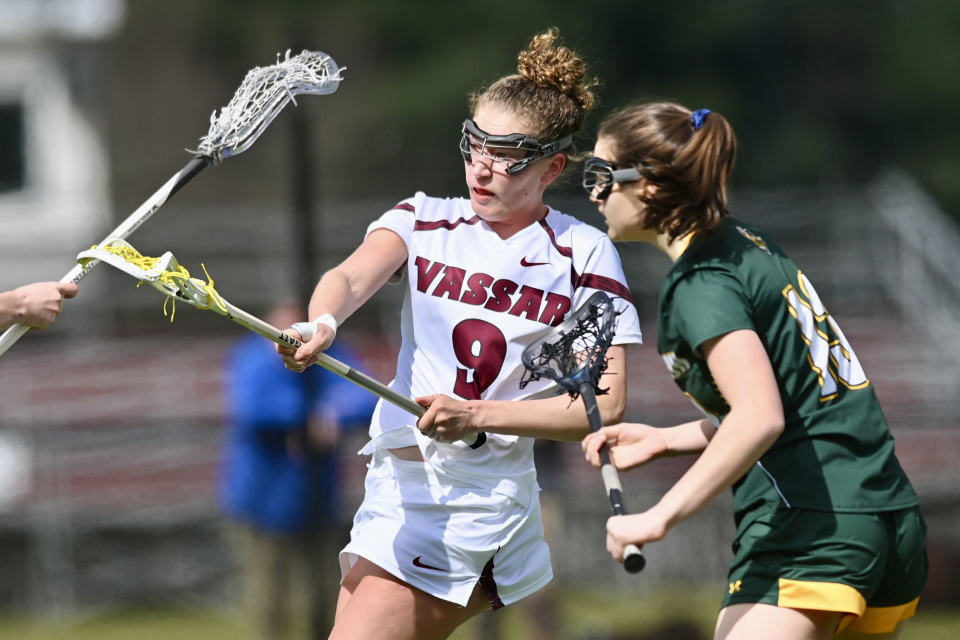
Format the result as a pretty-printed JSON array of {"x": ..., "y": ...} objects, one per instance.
[{"x": 708, "y": 303}]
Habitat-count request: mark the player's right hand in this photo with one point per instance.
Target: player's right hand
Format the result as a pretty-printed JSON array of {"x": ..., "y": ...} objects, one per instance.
[
  {"x": 41, "y": 302},
  {"x": 630, "y": 445},
  {"x": 306, "y": 354},
  {"x": 637, "y": 528}
]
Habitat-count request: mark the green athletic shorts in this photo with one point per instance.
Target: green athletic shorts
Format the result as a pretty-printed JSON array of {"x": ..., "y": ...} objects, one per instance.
[{"x": 869, "y": 566}]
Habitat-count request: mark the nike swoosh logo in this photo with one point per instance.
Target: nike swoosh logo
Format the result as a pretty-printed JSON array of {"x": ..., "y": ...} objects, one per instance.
[
  {"x": 423, "y": 565},
  {"x": 526, "y": 263}
]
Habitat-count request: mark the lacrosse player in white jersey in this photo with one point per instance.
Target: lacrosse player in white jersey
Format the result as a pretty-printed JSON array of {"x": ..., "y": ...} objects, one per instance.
[{"x": 448, "y": 529}]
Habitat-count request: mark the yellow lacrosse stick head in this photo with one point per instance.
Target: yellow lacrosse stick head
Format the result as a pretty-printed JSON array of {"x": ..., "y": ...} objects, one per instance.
[{"x": 164, "y": 274}]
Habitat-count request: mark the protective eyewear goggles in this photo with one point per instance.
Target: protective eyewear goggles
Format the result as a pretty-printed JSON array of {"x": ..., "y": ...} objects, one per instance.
[
  {"x": 600, "y": 175},
  {"x": 515, "y": 152}
]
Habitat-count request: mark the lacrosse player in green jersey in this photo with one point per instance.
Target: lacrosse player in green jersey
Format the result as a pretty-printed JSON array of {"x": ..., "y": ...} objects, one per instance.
[{"x": 830, "y": 540}]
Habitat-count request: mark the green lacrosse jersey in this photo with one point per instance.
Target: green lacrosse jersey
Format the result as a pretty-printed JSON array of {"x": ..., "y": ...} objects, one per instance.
[{"x": 836, "y": 452}]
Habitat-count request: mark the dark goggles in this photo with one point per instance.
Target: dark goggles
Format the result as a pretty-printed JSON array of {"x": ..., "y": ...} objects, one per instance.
[
  {"x": 515, "y": 151},
  {"x": 600, "y": 175}
]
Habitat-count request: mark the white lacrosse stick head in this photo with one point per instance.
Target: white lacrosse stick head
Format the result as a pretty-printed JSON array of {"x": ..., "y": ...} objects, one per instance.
[
  {"x": 164, "y": 274},
  {"x": 265, "y": 91}
]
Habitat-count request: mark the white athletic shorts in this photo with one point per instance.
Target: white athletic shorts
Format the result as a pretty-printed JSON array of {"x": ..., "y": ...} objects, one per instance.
[{"x": 443, "y": 537}]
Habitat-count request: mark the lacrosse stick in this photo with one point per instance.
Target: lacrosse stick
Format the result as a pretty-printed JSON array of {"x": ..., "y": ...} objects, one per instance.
[
  {"x": 264, "y": 92},
  {"x": 572, "y": 354},
  {"x": 173, "y": 280}
]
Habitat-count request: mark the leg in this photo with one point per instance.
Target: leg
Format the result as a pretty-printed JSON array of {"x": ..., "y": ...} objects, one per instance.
[
  {"x": 751, "y": 621},
  {"x": 259, "y": 573},
  {"x": 300, "y": 586},
  {"x": 375, "y": 605},
  {"x": 324, "y": 578},
  {"x": 541, "y": 609}
]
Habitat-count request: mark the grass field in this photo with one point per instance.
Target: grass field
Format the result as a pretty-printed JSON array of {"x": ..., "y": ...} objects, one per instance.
[{"x": 577, "y": 616}]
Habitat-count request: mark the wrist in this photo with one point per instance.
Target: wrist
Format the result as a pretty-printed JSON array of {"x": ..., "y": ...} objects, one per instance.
[
  {"x": 671, "y": 443},
  {"x": 665, "y": 514},
  {"x": 328, "y": 320},
  {"x": 684, "y": 439},
  {"x": 8, "y": 311},
  {"x": 308, "y": 330},
  {"x": 18, "y": 306},
  {"x": 477, "y": 415}
]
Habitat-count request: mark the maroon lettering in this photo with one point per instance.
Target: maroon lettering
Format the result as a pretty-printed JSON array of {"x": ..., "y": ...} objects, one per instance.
[
  {"x": 477, "y": 284},
  {"x": 501, "y": 290},
  {"x": 451, "y": 283},
  {"x": 555, "y": 309},
  {"x": 481, "y": 289},
  {"x": 424, "y": 275},
  {"x": 528, "y": 304}
]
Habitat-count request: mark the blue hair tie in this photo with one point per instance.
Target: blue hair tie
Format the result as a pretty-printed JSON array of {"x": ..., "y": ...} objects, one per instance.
[{"x": 697, "y": 118}]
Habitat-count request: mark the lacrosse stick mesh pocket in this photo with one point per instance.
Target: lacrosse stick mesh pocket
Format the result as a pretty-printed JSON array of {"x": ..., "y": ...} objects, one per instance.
[
  {"x": 163, "y": 273},
  {"x": 574, "y": 352}
]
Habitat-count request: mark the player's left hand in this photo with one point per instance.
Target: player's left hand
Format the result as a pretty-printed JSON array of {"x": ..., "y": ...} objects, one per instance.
[
  {"x": 637, "y": 528},
  {"x": 630, "y": 445},
  {"x": 446, "y": 419}
]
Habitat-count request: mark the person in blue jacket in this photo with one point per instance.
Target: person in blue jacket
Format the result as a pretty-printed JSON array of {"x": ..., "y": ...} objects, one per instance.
[{"x": 280, "y": 485}]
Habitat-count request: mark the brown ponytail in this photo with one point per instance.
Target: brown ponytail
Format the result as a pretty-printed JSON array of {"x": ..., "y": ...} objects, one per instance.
[{"x": 690, "y": 165}]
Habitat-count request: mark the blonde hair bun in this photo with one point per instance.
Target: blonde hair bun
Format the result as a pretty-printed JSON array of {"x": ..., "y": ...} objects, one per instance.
[{"x": 548, "y": 64}]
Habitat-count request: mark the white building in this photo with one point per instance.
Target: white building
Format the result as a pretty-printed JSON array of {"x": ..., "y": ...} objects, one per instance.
[{"x": 54, "y": 169}]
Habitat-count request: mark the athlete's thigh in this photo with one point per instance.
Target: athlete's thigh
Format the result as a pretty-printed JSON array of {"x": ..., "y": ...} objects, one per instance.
[
  {"x": 752, "y": 621},
  {"x": 376, "y": 605}
]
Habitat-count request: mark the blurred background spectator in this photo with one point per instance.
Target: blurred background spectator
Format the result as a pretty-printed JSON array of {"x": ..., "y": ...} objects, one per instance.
[{"x": 280, "y": 481}]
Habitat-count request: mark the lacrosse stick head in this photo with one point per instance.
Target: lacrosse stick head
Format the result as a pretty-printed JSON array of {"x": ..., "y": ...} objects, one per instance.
[
  {"x": 574, "y": 351},
  {"x": 164, "y": 274},
  {"x": 264, "y": 92}
]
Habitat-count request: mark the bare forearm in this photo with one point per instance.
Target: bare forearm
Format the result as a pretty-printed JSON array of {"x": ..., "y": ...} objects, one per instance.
[
  {"x": 558, "y": 418},
  {"x": 335, "y": 295},
  {"x": 561, "y": 417},
  {"x": 690, "y": 437},
  {"x": 744, "y": 376},
  {"x": 343, "y": 289},
  {"x": 8, "y": 309},
  {"x": 734, "y": 449}
]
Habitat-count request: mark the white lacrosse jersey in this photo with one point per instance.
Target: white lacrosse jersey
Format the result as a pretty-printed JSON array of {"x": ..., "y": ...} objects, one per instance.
[{"x": 473, "y": 301}]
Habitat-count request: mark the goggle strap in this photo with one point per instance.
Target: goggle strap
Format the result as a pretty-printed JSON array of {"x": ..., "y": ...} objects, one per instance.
[
  {"x": 556, "y": 146},
  {"x": 625, "y": 175}
]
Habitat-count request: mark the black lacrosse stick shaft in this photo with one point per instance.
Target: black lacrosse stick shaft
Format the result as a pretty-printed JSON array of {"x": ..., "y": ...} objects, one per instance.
[{"x": 633, "y": 560}]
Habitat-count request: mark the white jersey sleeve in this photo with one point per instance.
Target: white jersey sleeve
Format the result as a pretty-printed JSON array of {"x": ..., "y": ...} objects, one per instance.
[
  {"x": 400, "y": 219},
  {"x": 602, "y": 271}
]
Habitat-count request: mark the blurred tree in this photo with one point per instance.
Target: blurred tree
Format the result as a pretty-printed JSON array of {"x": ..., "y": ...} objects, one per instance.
[{"x": 819, "y": 92}]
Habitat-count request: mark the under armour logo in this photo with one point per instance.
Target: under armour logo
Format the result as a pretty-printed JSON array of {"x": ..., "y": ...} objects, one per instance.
[{"x": 735, "y": 587}]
